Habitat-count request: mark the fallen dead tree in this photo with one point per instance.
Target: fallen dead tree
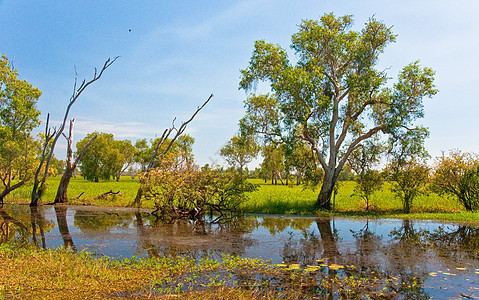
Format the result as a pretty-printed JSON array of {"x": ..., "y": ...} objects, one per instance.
[{"x": 191, "y": 193}]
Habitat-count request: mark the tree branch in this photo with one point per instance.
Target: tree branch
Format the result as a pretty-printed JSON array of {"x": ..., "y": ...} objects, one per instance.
[
  {"x": 356, "y": 142},
  {"x": 82, "y": 151}
]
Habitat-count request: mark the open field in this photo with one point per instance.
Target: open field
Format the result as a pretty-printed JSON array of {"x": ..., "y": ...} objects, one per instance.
[
  {"x": 278, "y": 199},
  {"x": 127, "y": 187},
  {"x": 273, "y": 199}
]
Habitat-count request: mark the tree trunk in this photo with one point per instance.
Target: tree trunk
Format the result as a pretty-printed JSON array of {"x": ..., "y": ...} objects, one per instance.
[
  {"x": 139, "y": 194},
  {"x": 38, "y": 186},
  {"x": 36, "y": 194},
  {"x": 3, "y": 194},
  {"x": 62, "y": 192},
  {"x": 62, "y": 196},
  {"x": 324, "y": 197},
  {"x": 407, "y": 203}
]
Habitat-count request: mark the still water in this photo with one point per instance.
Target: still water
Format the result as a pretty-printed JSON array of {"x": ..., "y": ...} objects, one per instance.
[{"x": 442, "y": 257}]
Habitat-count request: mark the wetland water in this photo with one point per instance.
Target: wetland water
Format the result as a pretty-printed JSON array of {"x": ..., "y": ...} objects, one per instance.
[{"x": 440, "y": 260}]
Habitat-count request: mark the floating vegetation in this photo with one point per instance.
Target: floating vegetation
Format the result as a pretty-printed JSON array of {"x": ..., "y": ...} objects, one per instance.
[{"x": 34, "y": 273}]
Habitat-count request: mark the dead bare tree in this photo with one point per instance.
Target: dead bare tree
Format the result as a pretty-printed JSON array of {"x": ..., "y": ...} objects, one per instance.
[
  {"x": 52, "y": 135},
  {"x": 62, "y": 192},
  {"x": 155, "y": 156}
]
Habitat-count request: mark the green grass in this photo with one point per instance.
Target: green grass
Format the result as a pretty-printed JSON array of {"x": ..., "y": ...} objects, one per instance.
[
  {"x": 270, "y": 199},
  {"x": 279, "y": 199},
  {"x": 127, "y": 187}
]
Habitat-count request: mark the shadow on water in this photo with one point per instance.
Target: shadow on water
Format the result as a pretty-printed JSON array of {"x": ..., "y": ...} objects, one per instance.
[{"x": 427, "y": 258}]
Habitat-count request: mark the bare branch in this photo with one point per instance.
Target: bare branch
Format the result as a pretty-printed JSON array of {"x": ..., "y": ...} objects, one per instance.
[
  {"x": 58, "y": 132},
  {"x": 183, "y": 126},
  {"x": 82, "y": 151}
]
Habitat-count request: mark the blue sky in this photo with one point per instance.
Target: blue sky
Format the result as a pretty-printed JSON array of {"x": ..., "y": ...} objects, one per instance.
[{"x": 178, "y": 52}]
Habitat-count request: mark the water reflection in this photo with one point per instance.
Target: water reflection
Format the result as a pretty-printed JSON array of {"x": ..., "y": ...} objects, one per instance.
[
  {"x": 61, "y": 214},
  {"x": 12, "y": 229},
  {"x": 193, "y": 238},
  {"x": 407, "y": 250},
  {"x": 38, "y": 222}
]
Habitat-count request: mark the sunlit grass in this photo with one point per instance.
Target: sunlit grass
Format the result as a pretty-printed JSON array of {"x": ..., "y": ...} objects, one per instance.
[
  {"x": 127, "y": 187},
  {"x": 280, "y": 199}
]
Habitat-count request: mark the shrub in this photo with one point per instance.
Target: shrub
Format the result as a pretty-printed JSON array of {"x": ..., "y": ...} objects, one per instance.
[
  {"x": 458, "y": 175},
  {"x": 190, "y": 192},
  {"x": 409, "y": 180}
]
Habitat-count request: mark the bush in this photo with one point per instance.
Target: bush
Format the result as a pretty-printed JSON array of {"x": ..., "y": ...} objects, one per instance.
[
  {"x": 190, "y": 192},
  {"x": 410, "y": 178},
  {"x": 458, "y": 175}
]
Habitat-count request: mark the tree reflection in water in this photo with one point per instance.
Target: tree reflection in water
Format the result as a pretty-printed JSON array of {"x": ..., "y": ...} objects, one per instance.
[
  {"x": 459, "y": 242},
  {"x": 38, "y": 220},
  {"x": 194, "y": 239},
  {"x": 361, "y": 249},
  {"x": 11, "y": 228},
  {"x": 61, "y": 213},
  {"x": 19, "y": 223}
]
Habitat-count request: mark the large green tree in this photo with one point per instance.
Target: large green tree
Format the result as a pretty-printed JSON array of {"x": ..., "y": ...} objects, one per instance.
[
  {"x": 333, "y": 97},
  {"x": 18, "y": 117},
  {"x": 105, "y": 157}
]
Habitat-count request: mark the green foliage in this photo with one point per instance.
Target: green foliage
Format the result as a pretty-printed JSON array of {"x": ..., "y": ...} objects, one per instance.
[
  {"x": 458, "y": 175},
  {"x": 273, "y": 162},
  {"x": 181, "y": 151},
  {"x": 409, "y": 179},
  {"x": 189, "y": 192},
  {"x": 105, "y": 157},
  {"x": 300, "y": 160},
  {"x": 367, "y": 183},
  {"x": 362, "y": 160},
  {"x": 333, "y": 98},
  {"x": 239, "y": 151},
  {"x": 18, "y": 117}
]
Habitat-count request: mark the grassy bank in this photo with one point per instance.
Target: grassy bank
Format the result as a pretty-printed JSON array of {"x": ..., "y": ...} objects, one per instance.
[
  {"x": 271, "y": 199},
  {"x": 279, "y": 199},
  {"x": 32, "y": 273},
  {"x": 90, "y": 192}
]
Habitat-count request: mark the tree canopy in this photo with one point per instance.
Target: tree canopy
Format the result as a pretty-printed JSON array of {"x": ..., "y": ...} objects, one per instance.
[
  {"x": 333, "y": 97},
  {"x": 239, "y": 151},
  {"x": 18, "y": 117},
  {"x": 105, "y": 157}
]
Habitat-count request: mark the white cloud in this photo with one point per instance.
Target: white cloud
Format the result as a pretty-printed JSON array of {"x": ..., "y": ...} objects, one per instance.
[{"x": 120, "y": 130}]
